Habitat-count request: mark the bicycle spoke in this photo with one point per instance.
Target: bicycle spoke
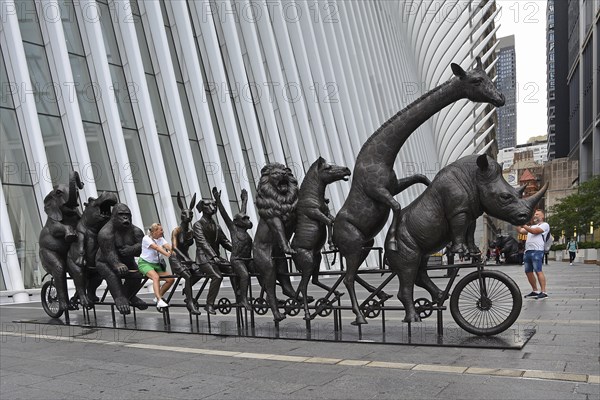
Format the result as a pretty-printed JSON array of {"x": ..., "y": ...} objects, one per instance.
[
  {"x": 485, "y": 303},
  {"x": 499, "y": 309}
]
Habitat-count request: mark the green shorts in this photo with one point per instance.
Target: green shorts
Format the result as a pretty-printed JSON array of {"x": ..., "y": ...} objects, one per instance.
[{"x": 144, "y": 266}]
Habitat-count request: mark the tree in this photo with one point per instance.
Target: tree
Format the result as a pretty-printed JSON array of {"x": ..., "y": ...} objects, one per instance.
[{"x": 577, "y": 210}]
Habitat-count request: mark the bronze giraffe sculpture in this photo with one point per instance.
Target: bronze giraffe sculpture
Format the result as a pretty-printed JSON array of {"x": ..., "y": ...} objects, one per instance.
[{"x": 368, "y": 205}]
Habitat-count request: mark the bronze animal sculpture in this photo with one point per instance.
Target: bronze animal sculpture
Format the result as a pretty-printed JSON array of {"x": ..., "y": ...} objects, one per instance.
[
  {"x": 313, "y": 221},
  {"x": 241, "y": 243},
  {"x": 82, "y": 253},
  {"x": 119, "y": 242},
  {"x": 276, "y": 200},
  {"x": 459, "y": 194},
  {"x": 182, "y": 238},
  {"x": 59, "y": 232},
  {"x": 209, "y": 237},
  {"x": 374, "y": 182},
  {"x": 509, "y": 247}
]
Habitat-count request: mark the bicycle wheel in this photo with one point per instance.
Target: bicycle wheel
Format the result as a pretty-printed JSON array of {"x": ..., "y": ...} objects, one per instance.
[
  {"x": 486, "y": 312},
  {"x": 50, "y": 300}
]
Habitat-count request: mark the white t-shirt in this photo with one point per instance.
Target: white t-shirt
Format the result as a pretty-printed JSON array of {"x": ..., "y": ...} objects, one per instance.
[
  {"x": 148, "y": 254},
  {"x": 535, "y": 241}
]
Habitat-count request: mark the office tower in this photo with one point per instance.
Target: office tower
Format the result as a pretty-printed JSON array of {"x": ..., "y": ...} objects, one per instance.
[{"x": 506, "y": 134}]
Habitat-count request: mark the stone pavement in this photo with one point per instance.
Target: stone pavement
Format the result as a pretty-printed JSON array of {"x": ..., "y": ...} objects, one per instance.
[{"x": 561, "y": 361}]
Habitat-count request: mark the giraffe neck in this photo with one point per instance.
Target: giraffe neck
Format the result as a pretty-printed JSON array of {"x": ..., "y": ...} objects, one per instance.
[{"x": 386, "y": 142}]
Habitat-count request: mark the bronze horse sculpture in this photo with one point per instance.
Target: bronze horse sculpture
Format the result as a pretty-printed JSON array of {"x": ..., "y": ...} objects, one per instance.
[
  {"x": 374, "y": 182},
  {"x": 313, "y": 220}
]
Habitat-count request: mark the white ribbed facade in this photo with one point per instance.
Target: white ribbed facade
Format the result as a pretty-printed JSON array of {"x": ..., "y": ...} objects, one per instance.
[{"x": 149, "y": 98}]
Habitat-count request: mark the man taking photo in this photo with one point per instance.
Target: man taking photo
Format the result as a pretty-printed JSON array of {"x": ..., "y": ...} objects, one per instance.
[{"x": 534, "y": 254}]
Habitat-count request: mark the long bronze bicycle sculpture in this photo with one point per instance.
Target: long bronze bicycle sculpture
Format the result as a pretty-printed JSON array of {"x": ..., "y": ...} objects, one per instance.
[{"x": 374, "y": 182}]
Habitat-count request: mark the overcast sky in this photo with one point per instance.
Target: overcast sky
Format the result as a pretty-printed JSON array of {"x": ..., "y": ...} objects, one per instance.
[{"x": 526, "y": 19}]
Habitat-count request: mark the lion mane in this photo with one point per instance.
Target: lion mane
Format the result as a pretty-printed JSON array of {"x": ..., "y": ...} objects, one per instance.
[{"x": 272, "y": 203}]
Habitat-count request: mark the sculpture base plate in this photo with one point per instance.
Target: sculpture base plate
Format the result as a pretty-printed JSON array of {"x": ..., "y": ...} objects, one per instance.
[{"x": 396, "y": 332}]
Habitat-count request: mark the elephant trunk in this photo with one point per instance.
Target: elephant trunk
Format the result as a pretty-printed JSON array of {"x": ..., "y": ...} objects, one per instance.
[
  {"x": 533, "y": 200},
  {"x": 74, "y": 184}
]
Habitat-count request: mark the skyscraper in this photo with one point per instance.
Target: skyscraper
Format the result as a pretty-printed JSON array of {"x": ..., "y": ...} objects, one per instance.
[
  {"x": 557, "y": 72},
  {"x": 583, "y": 85},
  {"x": 506, "y": 134}
]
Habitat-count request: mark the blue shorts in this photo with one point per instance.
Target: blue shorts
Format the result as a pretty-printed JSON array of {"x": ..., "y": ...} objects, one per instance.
[{"x": 533, "y": 260}]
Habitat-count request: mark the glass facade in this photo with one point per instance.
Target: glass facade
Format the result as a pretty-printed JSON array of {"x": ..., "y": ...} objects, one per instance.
[
  {"x": 24, "y": 219},
  {"x": 506, "y": 134},
  {"x": 551, "y": 78},
  {"x": 584, "y": 101},
  {"x": 251, "y": 109}
]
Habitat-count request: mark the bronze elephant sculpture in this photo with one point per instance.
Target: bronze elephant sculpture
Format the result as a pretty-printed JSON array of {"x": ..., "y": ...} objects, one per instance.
[{"x": 59, "y": 232}]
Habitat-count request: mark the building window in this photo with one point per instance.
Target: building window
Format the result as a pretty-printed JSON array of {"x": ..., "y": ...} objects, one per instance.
[{"x": 23, "y": 215}]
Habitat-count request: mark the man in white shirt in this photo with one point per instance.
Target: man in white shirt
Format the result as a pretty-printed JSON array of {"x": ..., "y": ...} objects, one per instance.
[{"x": 534, "y": 253}]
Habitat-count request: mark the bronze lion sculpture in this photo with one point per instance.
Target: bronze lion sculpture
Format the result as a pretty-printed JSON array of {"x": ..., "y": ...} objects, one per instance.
[{"x": 276, "y": 200}]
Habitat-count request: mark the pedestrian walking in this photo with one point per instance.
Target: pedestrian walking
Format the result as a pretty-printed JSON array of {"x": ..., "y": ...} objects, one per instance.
[{"x": 573, "y": 247}]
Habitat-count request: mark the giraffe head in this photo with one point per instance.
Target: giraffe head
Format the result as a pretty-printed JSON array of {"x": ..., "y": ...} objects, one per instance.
[{"x": 477, "y": 85}]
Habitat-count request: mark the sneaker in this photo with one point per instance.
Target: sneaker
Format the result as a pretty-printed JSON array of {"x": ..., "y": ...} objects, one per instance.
[
  {"x": 155, "y": 300},
  {"x": 542, "y": 296},
  {"x": 570, "y": 263},
  {"x": 532, "y": 294},
  {"x": 162, "y": 304}
]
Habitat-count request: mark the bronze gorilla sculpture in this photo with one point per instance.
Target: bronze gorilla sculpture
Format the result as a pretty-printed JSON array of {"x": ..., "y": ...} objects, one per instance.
[
  {"x": 119, "y": 242},
  {"x": 82, "y": 253}
]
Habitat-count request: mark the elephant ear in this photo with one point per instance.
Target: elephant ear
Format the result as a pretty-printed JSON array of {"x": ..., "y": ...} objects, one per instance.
[{"x": 52, "y": 208}]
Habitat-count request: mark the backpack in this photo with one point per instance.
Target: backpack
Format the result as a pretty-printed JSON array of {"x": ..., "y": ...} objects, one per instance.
[{"x": 548, "y": 242}]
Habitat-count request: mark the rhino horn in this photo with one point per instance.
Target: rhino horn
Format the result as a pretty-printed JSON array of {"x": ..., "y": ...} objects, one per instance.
[
  {"x": 521, "y": 189},
  {"x": 533, "y": 200}
]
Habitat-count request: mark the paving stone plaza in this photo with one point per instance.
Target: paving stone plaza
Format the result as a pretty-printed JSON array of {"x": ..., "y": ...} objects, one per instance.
[{"x": 561, "y": 360}]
